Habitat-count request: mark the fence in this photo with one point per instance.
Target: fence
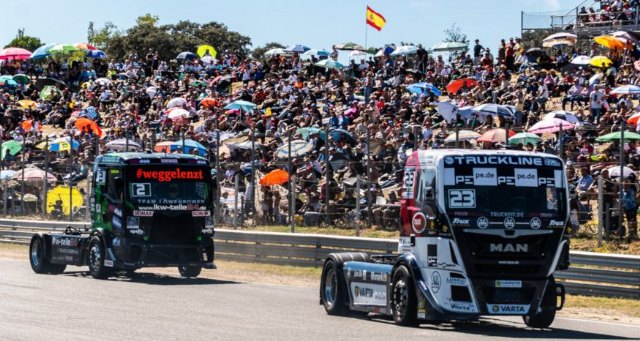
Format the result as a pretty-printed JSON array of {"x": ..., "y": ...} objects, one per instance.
[{"x": 589, "y": 274}]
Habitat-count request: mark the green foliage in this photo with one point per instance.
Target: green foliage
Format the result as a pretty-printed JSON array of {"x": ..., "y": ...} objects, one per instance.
[
  {"x": 258, "y": 52},
  {"x": 454, "y": 34},
  {"x": 100, "y": 38},
  {"x": 24, "y": 41},
  {"x": 168, "y": 40}
]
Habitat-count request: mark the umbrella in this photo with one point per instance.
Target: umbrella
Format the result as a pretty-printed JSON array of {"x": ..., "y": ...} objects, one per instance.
[
  {"x": 151, "y": 91},
  {"x": 447, "y": 110},
  {"x": 600, "y": 61},
  {"x": 626, "y": 37},
  {"x": 450, "y": 46},
  {"x": 348, "y": 46},
  {"x": 524, "y": 138},
  {"x": 298, "y": 48},
  {"x": 463, "y": 135},
  {"x": 534, "y": 51},
  {"x": 120, "y": 145},
  {"x": 562, "y": 38},
  {"x": 581, "y": 60},
  {"x": 187, "y": 56},
  {"x": 60, "y": 144},
  {"x": 307, "y": 131},
  {"x": 35, "y": 175},
  {"x": 404, "y": 50},
  {"x": 626, "y": 90},
  {"x": 550, "y": 126},
  {"x": 298, "y": 148},
  {"x": 85, "y": 124},
  {"x": 562, "y": 115},
  {"x": 103, "y": 81},
  {"x": 609, "y": 42},
  {"x": 63, "y": 49},
  {"x": 209, "y": 102},
  {"x": 29, "y": 125},
  {"x": 86, "y": 47},
  {"x": 189, "y": 145},
  {"x": 385, "y": 51},
  {"x": 275, "y": 177},
  {"x": 206, "y": 50},
  {"x": 561, "y": 35},
  {"x": 27, "y": 104},
  {"x": 50, "y": 92},
  {"x": 63, "y": 194},
  {"x": 329, "y": 64},
  {"x": 240, "y": 105},
  {"x": 277, "y": 52},
  {"x": 455, "y": 85},
  {"x": 12, "y": 146},
  {"x": 7, "y": 174},
  {"x": 177, "y": 113},
  {"x": 338, "y": 134},
  {"x": 8, "y": 80},
  {"x": 634, "y": 118},
  {"x": 492, "y": 109},
  {"x": 614, "y": 172},
  {"x": 358, "y": 56},
  {"x": 595, "y": 79},
  {"x": 495, "y": 135},
  {"x": 422, "y": 88},
  {"x": 96, "y": 54},
  {"x": 177, "y": 102},
  {"x": 42, "y": 52},
  {"x": 14, "y": 53},
  {"x": 322, "y": 53},
  {"x": 21, "y": 78},
  {"x": 616, "y": 137}
]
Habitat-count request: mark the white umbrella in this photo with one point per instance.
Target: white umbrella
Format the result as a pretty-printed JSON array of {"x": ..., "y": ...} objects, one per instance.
[
  {"x": 562, "y": 115},
  {"x": 626, "y": 90},
  {"x": 277, "y": 52},
  {"x": 298, "y": 148},
  {"x": 614, "y": 172},
  {"x": 176, "y": 102},
  {"x": 595, "y": 79},
  {"x": 463, "y": 135},
  {"x": 550, "y": 126},
  {"x": 581, "y": 60},
  {"x": 151, "y": 91},
  {"x": 122, "y": 145},
  {"x": 562, "y": 38},
  {"x": 626, "y": 37},
  {"x": 493, "y": 109},
  {"x": 447, "y": 110},
  {"x": 358, "y": 56},
  {"x": 405, "y": 50},
  {"x": 103, "y": 81},
  {"x": 178, "y": 113}
]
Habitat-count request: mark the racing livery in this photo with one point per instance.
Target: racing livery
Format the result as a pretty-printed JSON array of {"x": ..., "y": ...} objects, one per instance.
[
  {"x": 147, "y": 209},
  {"x": 482, "y": 234}
]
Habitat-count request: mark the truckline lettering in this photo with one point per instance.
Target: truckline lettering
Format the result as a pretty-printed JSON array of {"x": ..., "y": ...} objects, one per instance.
[{"x": 167, "y": 176}]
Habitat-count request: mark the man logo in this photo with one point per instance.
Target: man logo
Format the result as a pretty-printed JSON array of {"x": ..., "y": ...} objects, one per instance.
[
  {"x": 509, "y": 222},
  {"x": 509, "y": 247},
  {"x": 535, "y": 223},
  {"x": 483, "y": 222}
]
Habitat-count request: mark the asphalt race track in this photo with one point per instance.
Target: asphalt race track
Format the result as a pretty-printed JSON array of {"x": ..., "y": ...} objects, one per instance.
[{"x": 74, "y": 306}]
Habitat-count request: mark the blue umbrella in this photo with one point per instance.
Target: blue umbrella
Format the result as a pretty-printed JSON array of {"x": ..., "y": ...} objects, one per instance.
[
  {"x": 422, "y": 88},
  {"x": 189, "y": 146},
  {"x": 187, "y": 56},
  {"x": 305, "y": 132},
  {"x": 240, "y": 105},
  {"x": 96, "y": 54},
  {"x": 338, "y": 134},
  {"x": 7, "y": 174},
  {"x": 385, "y": 51},
  {"x": 8, "y": 80},
  {"x": 42, "y": 51},
  {"x": 329, "y": 64},
  {"x": 297, "y": 48}
]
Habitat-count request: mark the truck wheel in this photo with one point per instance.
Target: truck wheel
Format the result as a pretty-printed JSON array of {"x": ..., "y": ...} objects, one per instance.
[
  {"x": 332, "y": 289},
  {"x": 39, "y": 262},
  {"x": 189, "y": 271},
  {"x": 403, "y": 298},
  {"x": 544, "y": 318},
  {"x": 96, "y": 259}
]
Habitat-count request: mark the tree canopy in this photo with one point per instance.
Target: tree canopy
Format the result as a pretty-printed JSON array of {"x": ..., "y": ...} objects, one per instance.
[
  {"x": 24, "y": 41},
  {"x": 454, "y": 34}
]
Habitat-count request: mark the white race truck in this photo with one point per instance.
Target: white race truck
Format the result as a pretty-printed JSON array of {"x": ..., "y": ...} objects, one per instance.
[{"x": 482, "y": 234}]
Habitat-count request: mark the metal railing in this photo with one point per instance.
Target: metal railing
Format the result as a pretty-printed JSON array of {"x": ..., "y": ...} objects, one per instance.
[{"x": 590, "y": 273}]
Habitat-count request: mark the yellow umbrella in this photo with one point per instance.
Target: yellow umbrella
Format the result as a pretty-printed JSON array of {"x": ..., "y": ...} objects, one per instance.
[
  {"x": 27, "y": 104},
  {"x": 206, "y": 49},
  {"x": 609, "y": 42},
  {"x": 62, "y": 193},
  {"x": 600, "y": 61}
]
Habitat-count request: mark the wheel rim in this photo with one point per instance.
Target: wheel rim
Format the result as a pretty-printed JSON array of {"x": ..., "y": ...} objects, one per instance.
[
  {"x": 330, "y": 285},
  {"x": 35, "y": 253},
  {"x": 400, "y": 297},
  {"x": 95, "y": 257}
]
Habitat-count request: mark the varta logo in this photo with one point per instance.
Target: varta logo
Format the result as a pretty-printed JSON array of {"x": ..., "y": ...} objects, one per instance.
[{"x": 509, "y": 247}]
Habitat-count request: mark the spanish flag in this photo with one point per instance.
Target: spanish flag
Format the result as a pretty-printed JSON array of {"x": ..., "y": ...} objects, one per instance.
[{"x": 375, "y": 19}]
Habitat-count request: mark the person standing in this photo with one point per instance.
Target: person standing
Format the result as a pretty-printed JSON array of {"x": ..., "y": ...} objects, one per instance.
[
  {"x": 630, "y": 208},
  {"x": 595, "y": 103},
  {"x": 477, "y": 52}
]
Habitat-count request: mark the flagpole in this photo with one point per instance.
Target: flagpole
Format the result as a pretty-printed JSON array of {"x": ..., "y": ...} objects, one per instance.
[{"x": 366, "y": 30}]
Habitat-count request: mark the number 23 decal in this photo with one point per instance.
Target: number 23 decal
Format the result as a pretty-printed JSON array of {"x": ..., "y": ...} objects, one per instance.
[{"x": 462, "y": 198}]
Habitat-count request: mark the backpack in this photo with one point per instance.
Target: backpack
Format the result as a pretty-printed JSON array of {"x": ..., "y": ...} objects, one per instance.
[{"x": 629, "y": 200}]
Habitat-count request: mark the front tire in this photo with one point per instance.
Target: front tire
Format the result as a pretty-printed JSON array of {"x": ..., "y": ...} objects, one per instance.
[
  {"x": 403, "y": 298},
  {"x": 96, "y": 259},
  {"x": 545, "y": 317},
  {"x": 332, "y": 289},
  {"x": 189, "y": 271}
]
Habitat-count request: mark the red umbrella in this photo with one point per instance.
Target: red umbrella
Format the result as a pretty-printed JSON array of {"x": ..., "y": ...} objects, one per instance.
[
  {"x": 454, "y": 86},
  {"x": 15, "y": 53},
  {"x": 209, "y": 102},
  {"x": 85, "y": 124},
  {"x": 495, "y": 135},
  {"x": 275, "y": 177},
  {"x": 634, "y": 119},
  {"x": 85, "y": 46}
]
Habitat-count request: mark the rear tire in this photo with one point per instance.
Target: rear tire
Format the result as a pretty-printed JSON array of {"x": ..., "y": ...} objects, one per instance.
[
  {"x": 189, "y": 271},
  {"x": 332, "y": 289},
  {"x": 404, "y": 303},
  {"x": 39, "y": 262},
  {"x": 544, "y": 318},
  {"x": 96, "y": 259}
]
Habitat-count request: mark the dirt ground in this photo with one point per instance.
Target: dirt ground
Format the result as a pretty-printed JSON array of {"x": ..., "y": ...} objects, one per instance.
[{"x": 602, "y": 309}]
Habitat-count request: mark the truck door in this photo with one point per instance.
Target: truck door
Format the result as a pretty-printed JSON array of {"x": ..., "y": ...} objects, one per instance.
[{"x": 114, "y": 200}]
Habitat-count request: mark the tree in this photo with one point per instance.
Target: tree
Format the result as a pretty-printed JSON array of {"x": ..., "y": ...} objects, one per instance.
[
  {"x": 24, "y": 41},
  {"x": 147, "y": 19},
  {"x": 454, "y": 34},
  {"x": 101, "y": 37},
  {"x": 258, "y": 52}
]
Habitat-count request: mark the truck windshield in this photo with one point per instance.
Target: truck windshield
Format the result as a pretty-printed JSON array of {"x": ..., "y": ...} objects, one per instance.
[
  {"x": 169, "y": 185},
  {"x": 505, "y": 191}
]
